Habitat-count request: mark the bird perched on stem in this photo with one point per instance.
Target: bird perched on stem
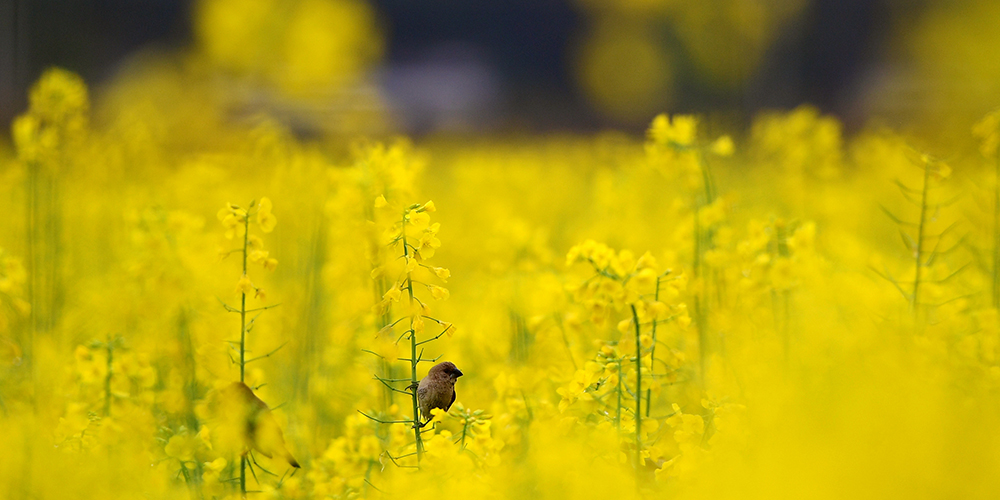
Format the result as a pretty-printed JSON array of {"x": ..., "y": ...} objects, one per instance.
[
  {"x": 245, "y": 422},
  {"x": 437, "y": 389}
]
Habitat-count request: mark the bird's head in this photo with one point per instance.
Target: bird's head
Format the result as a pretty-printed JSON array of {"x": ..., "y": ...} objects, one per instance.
[{"x": 447, "y": 369}]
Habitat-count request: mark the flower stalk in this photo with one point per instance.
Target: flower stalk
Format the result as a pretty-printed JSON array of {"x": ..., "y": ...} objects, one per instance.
[
  {"x": 638, "y": 387},
  {"x": 418, "y": 239},
  {"x": 414, "y": 360},
  {"x": 237, "y": 222}
]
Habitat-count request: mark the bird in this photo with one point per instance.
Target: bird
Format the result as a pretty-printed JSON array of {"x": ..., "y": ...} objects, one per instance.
[
  {"x": 437, "y": 389},
  {"x": 250, "y": 424}
]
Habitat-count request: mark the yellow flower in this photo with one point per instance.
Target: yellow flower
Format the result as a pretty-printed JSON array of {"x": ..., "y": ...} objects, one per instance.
[
  {"x": 255, "y": 243},
  {"x": 265, "y": 218},
  {"x": 224, "y": 212},
  {"x": 646, "y": 340},
  {"x": 380, "y": 201},
  {"x": 647, "y": 261},
  {"x": 393, "y": 294},
  {"x": 448, "y": 328},
  {"x": 439, "y": 415},
  {"x": 625, "y": 325},
  {"x": 712, "y": 214},
  {"x": 645, "y": 279},
  {"x": 418, "y": 220},
  {"x": 59, "y": 96},
  {"x": 381, "y": 307},
  {"x": 684, "y": 320},
  {"x": 411, "y": 265},
  {"x": 25, "y": 131},
  {"x": 442, "y": 273},
  {"x": 205, "y": 435},
  {"x": 723, "y": 146},
  {"x": 678, "y": 132},
  {"x": 232, "y": 217},
  {"x": 439, "y": 293},
  {"x": 656, "y": 309},
  {"x": 216, "y": 465},
  {"x": 257, "y": 256},
  {"x": 182, "y": 447},
  {"x": 244, "y": 285}
]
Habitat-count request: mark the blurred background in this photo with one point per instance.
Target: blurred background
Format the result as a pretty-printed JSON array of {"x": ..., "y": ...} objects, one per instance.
[{"x": 470, "y": 66}]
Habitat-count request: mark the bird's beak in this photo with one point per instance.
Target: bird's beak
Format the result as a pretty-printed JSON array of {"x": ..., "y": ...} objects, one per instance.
[{"x": 458, "y": 372}]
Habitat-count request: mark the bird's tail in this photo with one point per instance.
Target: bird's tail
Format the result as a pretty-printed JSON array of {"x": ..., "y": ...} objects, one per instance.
[{"x": 291, "y": 460}]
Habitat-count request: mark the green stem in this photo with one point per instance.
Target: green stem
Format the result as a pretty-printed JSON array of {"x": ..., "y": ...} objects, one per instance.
[
  {"x": 413, "y": 351},
  {"x": 779, "y": 298},
  {"x": 465, "y": 427},
  {"x": 638, "y": 388},
  {"x": 706, "y": 177},
  {"x": 190, "y": 367},
  {"x": 618, "y": 411},
  {"x": 243, "y": 340},
  {"x": 701, "y": 297},
  {"x": 243, "y": 300},
  {"x": 920, "y": 240},
  {"x": 34, "y": 286},
  {"x": 107, "y": 379},
  {"x": 54, "y": 227},
  {"x": 699, "y": 313},
  {"x": 652, "y": 351}
]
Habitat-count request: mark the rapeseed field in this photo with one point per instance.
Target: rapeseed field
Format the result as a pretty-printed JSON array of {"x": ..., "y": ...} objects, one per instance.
[{"x": 199, "y": 306}]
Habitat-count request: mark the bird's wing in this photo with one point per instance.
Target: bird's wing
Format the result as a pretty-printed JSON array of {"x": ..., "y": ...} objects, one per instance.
[
  {"x": 268, "y": 438},
  {"x": 270, "y": 441},
  {"x": 453, "y": 396},
  {"x": 423, "y": 401}
]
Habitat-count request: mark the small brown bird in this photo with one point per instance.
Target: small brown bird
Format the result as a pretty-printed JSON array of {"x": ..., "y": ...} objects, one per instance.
[
  {"x": 249, "y": 424},
  {"x": 437, "y": 389}
]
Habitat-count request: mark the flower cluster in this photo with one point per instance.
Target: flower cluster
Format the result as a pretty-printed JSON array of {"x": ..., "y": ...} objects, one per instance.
[
  {"x": 57, "y": 118},
  {"x": 415, "y": 238},
  {"x": 620, "y": 279},
  {"x": 237, "y": 222},
  {"x": 673, "y": 146}
]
